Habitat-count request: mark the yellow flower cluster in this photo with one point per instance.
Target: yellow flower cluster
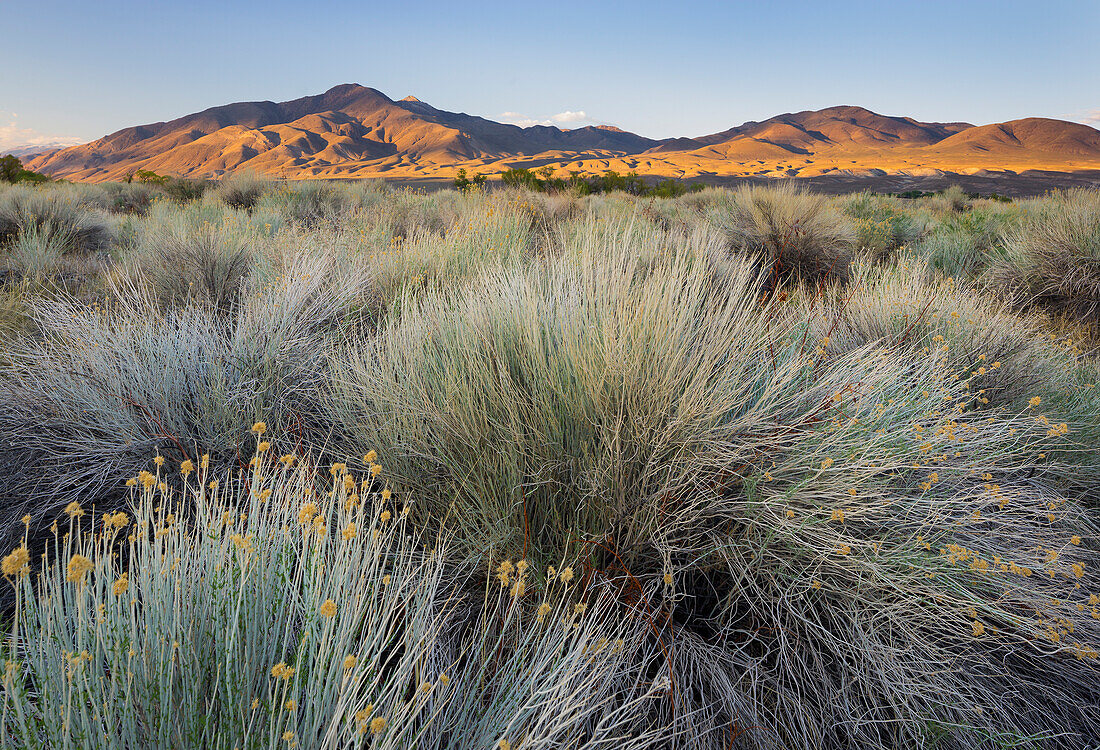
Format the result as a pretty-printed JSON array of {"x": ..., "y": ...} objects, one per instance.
[
  {"x": 17, "y": 563},
  {"x": 78, "y": 567}
]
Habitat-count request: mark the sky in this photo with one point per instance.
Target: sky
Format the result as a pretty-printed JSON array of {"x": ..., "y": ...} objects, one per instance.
[{"x": 72, "y": 71}]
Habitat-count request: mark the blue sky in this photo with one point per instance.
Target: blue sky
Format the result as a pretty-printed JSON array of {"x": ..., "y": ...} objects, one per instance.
[{"x": 79, "y": 70}]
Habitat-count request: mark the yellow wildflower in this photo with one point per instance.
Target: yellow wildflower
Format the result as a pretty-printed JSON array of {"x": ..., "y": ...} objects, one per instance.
[
  {"x": 307, "y": 512},
  {"x": 115, "y": 520},
  {"x": 350, "y": 661},
  {"x": 74, "y": 509},
  {"x": 120, "y": 586},
  {"x": 259, "y": 428},
  {"x": 78, "y": 567},
  {"x": 17, "y": 562},
  {"x": 328, "y": 609}
]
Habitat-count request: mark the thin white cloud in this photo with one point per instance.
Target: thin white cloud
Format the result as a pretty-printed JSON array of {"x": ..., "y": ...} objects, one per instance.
[
  {"x": 568, "y": 118},
  {"x": 13, "y": 137},
  {"x": 1092, "y": 117},
  {"x": 523, "y": 121}
]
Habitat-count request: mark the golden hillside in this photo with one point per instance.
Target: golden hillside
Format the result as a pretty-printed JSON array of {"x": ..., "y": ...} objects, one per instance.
[{"x": 355, "y": 131}]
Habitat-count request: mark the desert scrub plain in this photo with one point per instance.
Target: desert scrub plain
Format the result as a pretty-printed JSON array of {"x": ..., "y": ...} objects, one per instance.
[{"x": 340, "y": 465}]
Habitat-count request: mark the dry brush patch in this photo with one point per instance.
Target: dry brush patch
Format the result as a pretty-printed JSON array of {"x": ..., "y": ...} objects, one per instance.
[
  {"x": 852, "y": 514},
  {"x": 1053, "y": 257},
  {"x": 791, "y": 233}
]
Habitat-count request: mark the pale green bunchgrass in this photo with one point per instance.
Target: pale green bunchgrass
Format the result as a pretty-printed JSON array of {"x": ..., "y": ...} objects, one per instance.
[
  {"x": 902, "y": 535},
  {"x": 202, "y": 253},
  {"x": 582, "y": 376},
  {"x": 967, "y": 244},
  {"x": 242, "y": 190},
  {"x": 63, "y": 215},
  {"x": 883, "y": 224},
  {"x": 37, "y": 251},
  {"x": 664, "y": 419},
  {"x": 952, "y": 200},
  {"x": 789, "y": 232},
  {"x": 294, "y": 607},
  {"x": 1052, "y": 258},
  {"x": 490, "y": 233},
  {"x": 926, "y": 317},
  {"x": 307, "y": 203},
  {"x": 104, "y": 386}
]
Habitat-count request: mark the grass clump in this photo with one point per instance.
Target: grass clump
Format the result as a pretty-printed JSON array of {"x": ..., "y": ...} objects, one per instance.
[
  {"x": 102, "y": 388},
  {"x": 130, "y": 198},
  {"x": 1053, "y": 258},
  {"x": 951, "y": 200},
  {"x": 241, "y": 190},
  {"x": 882, "y": 223},
  {"x": 290, "y": 607},
  {"x": 592, "y": 406},
  {"x": 52, "y": 215},
  {"x": 791, "y": 233},
  {"x": 309, "y": 204},
  {"x": 967, "y": 244},
  {"x": 179, "y": 261}
]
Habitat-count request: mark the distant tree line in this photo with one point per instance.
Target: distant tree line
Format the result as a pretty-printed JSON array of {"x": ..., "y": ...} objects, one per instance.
[
  {"x": 176, "y": 187},
  {"x": 543, "y": 181}
]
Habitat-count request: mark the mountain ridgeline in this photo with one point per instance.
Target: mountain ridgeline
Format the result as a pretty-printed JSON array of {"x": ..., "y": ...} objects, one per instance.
[{"x": 352, "y": 131}]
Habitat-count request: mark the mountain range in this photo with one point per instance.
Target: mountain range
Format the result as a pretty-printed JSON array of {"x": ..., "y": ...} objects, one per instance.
[{"x": 353, "y": 131}]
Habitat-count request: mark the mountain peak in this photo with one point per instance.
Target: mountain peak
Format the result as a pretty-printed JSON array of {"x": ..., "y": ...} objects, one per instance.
[{"x": 352, "y": 130}]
